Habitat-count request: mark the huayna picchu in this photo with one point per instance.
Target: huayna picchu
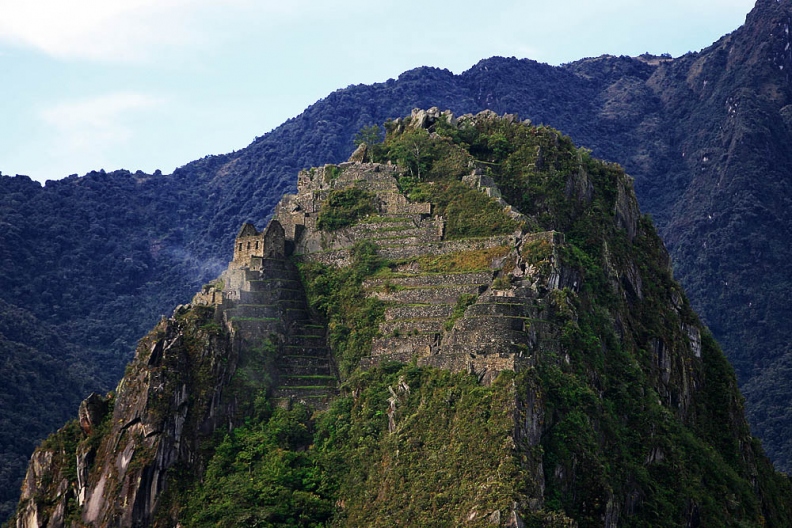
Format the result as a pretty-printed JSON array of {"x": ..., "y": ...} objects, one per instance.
[{"x": 467, "y": 324}]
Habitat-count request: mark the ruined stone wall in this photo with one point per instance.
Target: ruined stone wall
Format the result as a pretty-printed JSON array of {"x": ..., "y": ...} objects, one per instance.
[
  {"x": 274, "y": 241},
  {"x": 246, "y": 247},
  {"x": 251, "y": 243}
]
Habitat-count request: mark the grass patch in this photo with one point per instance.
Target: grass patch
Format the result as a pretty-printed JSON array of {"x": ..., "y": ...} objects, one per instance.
[
  {"x": 344, "y": 208},
  {"x": 462, "y": 261},
  {"x": 465, "y": 300}
]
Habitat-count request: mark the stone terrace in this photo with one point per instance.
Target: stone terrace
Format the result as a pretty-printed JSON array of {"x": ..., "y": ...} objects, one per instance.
[
  {"x": 266, "y": 300},
  {"x": 419, "y": 306},
  {"x": 494, "y": 333}
]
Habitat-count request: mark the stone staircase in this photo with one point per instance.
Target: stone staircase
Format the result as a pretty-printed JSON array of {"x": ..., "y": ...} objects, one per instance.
[{"x": 267, "y": 302}]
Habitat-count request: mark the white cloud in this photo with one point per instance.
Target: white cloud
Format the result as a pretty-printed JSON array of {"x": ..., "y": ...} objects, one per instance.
[
  {"x": 133, "y": 30},
  {"x": 85, "y": 130},
  {"x": 97, "y": 29}
]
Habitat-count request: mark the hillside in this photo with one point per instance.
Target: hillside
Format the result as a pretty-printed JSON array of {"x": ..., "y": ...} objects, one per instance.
[
  {"x": 99, "y": 258},
  {"x": 468, "y": 324}
]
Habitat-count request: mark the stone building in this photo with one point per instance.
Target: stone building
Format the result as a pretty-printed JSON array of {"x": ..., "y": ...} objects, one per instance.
[{"x": 249, "y": 243}]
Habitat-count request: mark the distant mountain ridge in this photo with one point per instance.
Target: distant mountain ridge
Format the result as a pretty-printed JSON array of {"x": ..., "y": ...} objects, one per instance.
[
  {"x": 470, "y": 324},
  {"x": 705, "y": 136}
]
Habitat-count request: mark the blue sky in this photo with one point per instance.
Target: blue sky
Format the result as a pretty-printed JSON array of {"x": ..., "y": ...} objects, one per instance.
[{"x": 154, "y": 84}]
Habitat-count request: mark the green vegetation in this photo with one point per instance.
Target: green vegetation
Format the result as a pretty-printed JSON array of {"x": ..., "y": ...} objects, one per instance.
[
  {"x": 461, "y": 305},
  {"x": 468, "y": 212},
  {"x": 529, "y": 165},
  {"x": 435, "y": 166},
  {"x": 462, "y": 261},
  {"x": 263, "y": 474},
  {"x": 345, "y": 207},
  {"x": 289, "y": 468},
  {"x": 372, "y": 136},
  {"x": 441, "y": 424},
  {"x": 331, "y": 172},
  {"x": 337, "y": 294}
]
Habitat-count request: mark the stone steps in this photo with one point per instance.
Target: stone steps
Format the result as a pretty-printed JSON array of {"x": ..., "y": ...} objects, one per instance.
[
  {"x": 419, "y": 311},
  {"x": 307, "y": 380},
  {"x": 406, "y": 346},
  {"x": 439, "y": 294},
  {"x": 404, "y": 327},
  {"x": 409, "y": 240},
  {"x": 269, "y": 284},
  {"x": 497, "y": 309},
  {"x": 296, "y": 363},
  {"x": 318, "y": 350},
  {"x": 383, "y": 184},
  {"x": 404, "y": 251},
  {"x": 254, "y": 330},
  {"x": 478, "y": 340},
  {"x": 428, "y": 279},
  {"x": 316, "y": 397},
  {"x": 270, "y": 265},
  {"x": 485, "y": 349},
  {"x": 401, "y": 251},
  {"x": 405, "y": 229},
  {"x": 488, "y": 324},
  {"x": 407, "y": 209},
  {"x": 255, "y": 311},
  {"x": 270, "y": 296},
  {"x": 296, "y": 392},
  {"x": 305, "y": 340}
]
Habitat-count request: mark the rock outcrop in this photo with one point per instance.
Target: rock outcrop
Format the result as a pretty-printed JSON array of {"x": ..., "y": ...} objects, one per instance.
[{"x": 607, "y": 400}]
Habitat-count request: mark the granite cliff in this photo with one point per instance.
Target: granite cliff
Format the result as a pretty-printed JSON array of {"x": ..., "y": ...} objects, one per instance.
[{"x": 470, "y": 323}]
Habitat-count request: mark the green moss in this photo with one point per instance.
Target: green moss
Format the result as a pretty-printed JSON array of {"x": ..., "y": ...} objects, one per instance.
[
  {"x": 461, "y": 261},
  {"x": 332, "y": 172},
  {"x": 345, "y": 207},
  {"x": 338, "y": 295},
  {"x": 461, "y": 305}
]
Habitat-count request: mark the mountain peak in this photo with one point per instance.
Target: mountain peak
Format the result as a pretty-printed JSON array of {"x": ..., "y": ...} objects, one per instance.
[{"x": 511, "y": 347}]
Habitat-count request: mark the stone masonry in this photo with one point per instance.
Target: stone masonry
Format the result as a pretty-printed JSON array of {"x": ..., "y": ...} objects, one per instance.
[
  {"x": 261, "y": 301},
  {"x": 500, "y": 327}
]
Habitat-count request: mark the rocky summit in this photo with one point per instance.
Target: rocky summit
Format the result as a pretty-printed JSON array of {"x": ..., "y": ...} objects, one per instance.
[
  {"x": 91, "y": 262},
  {"x": 467, "y": 324}
]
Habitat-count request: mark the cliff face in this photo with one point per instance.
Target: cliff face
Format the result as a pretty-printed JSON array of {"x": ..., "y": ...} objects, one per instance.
[
  {"x": 110, "y": 470},
  {"x": 510, "y": 344}
]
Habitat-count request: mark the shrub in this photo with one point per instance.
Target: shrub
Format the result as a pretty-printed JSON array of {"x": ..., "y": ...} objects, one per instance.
[{"x": 344, "y": 207}]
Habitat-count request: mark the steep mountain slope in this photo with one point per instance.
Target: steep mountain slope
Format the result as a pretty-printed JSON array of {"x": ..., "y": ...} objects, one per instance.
[
  {"x": 729, "y": 230},
  {"x": 36, "y": 363},
  {"x": 704, "y": 135},
  {"x": 512, "y": 348}
]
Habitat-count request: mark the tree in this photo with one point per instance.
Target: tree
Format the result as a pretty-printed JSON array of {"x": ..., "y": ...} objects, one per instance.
[
  {"x": 370, "y": 135},
  {"x": 413, "y": 150}
]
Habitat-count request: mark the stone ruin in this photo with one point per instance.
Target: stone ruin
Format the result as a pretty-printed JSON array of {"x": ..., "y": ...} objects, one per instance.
[{"x": 260, "y": 295}]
